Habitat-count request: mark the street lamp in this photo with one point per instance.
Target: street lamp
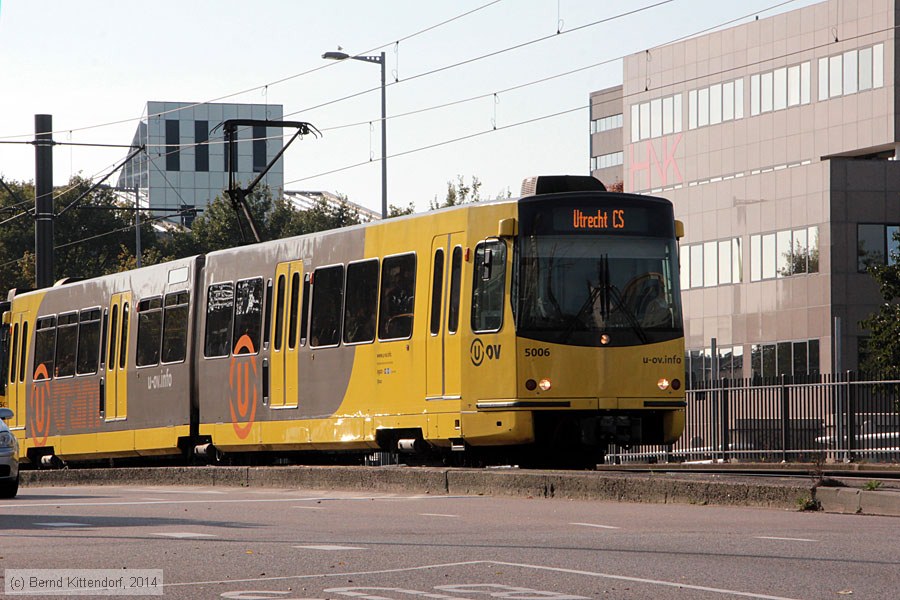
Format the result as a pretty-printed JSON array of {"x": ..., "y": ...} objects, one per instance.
[{"x": 379, "y": 60}]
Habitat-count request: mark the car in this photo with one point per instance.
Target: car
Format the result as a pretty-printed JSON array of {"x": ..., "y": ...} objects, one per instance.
[{"x": 9, "y": 462}]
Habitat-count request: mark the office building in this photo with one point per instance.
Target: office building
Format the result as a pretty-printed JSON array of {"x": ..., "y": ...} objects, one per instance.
[{"x": 777, "y": 141}]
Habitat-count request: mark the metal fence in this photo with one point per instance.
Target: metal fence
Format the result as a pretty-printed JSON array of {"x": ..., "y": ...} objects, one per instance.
[{"x": 825, "y": 418}]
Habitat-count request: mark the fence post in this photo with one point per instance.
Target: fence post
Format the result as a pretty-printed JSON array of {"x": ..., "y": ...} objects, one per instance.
[
  {"x": 785, "y": 420},
  {"x": 851, "y": 417},
  {"x": 726, "y": 434}
]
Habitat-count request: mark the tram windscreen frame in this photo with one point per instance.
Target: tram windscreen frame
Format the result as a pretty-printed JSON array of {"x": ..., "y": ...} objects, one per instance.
[{"x": 595, "y": 264}]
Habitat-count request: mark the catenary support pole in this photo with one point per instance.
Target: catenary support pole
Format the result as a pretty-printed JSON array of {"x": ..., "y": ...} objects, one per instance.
[{"x": 43, "y": 200}]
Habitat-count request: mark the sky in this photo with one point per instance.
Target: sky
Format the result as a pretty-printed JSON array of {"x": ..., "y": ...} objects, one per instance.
[{"x": 93, "y": 65}]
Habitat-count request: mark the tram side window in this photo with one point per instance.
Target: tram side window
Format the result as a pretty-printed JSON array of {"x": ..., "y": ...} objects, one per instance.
[
  {"x": 88, "y": 342},
  {"x": 455, "y": 284},
  {"x": 248, "y": 316},
  {"x": 44, "y": 347},
  {"x": 4, "y": 355},
  {"x": 12, "y": 355},
  {"x": 295, "y": 303},
  {"x": 24, "y": 353},
  {"x": 279, "y": 314},
  {"x": 437, "y": 290},
  {"x": 219, "y": 308},
  {"x": 175, "y": 327},
  {"x": 123, "y": 344},
  {"x": 398, "y": 287},
  {"x": 328, "y": 292},
  {"x": 488, "y": 284},
  {"x": 149, "y": 332},
  {"x": 304, "y": 311},
  {"x": 362, "y": 296},
  {"x": 66, "y": 342}
]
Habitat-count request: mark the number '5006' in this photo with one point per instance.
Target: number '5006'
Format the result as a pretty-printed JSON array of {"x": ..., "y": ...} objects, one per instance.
[{"x": 536, "y": 352}]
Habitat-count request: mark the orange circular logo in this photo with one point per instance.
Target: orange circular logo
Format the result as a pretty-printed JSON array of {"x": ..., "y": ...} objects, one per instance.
[
  {"x": 39, "y": 413},
  {"x": 242, "y": 382}
]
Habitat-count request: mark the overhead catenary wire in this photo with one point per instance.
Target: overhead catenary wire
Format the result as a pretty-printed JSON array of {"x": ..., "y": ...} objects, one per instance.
[
  {"x": 265, "y": 86},
  {"x": 608, "y": 61}
]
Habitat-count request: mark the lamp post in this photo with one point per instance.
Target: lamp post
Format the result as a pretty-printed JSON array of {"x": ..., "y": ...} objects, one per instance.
[{"x": 379, "y": 60}]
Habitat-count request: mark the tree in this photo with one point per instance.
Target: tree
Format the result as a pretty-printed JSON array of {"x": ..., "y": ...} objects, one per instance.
[
  {"x": 217, "y": 226},
  {"x": 88, "y": 238},
  {"x": 459, "y": 193},
  {"x": 883, "y": 356}
]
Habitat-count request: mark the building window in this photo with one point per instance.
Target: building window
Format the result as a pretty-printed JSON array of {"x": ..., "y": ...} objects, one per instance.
[
  {"x": 792, "y": 358},
  {"x": 201, "y": 150},
  {"x": 173, "y": 141},
  {"x": 716, "y": 104},
  {"x": 779, "y": 89},
  {"x": 876, "y": 245},
  {"x": 711, "y": 263},
  {"x": 660, "y": 116},
  {"x": 605, "y": 161},
  {"x": 851, "y": 72},
  {"x": 259, "y": 149},
  {"x": 784, "y": 253},
  {"x": 606, "y": 123}
]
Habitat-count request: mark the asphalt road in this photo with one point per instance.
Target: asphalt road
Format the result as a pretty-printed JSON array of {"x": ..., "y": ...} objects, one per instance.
[{"x": 283, "y": 544}]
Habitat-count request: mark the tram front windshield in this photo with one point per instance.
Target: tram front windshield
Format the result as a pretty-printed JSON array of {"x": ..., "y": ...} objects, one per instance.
[{"x": 573, "y": 289}]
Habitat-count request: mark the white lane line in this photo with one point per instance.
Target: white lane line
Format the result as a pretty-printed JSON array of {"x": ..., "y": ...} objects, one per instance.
[
  {"x": 674, "y": 584},
  {"x": 595, "y": 525},
  {"x": 470, "y": 563},
  {"x": 185, "y": 535},
  {"x": 62, "y": 524},
  {"x": 213, "y": 501},
  {"x": 786, "y": 539},
  {"x": 310, "y": 507},
  {"x": 186, "y": 492},
  {"x": 329, "y": 548},
  {"x": 438, "y": 515}
]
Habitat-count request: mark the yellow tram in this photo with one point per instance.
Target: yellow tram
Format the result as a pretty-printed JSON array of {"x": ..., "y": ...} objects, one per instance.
[{"x": 535, "y": 330}]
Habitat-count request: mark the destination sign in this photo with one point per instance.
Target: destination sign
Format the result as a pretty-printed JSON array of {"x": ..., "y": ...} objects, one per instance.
[{"x": 600, "y": 219}]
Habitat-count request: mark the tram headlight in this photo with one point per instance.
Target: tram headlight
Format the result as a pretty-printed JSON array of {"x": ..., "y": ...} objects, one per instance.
[
  {"x": 545, "y": 385},
  {"x": 604, "y": 339},
  {"x": 663, "y": 384}
]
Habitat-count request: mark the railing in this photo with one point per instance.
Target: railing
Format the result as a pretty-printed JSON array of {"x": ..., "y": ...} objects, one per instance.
[{"x": 826, "y": 418}]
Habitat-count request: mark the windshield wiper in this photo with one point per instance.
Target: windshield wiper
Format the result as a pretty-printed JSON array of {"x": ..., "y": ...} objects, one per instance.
[
  {"x": 600, "y": 292},
  {"x": 629, "y": 316}
]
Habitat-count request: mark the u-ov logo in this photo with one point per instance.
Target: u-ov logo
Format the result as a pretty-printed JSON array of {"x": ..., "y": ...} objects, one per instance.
[{"x": 243, "y": 398}]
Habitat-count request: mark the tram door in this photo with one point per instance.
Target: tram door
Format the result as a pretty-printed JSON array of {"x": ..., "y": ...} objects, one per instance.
[
  {"x": 18, "y": 357},
  {"x": 442, "y": 379},
  {"x": 284, "y": 386},
  {"x": 116, "y": 403}
]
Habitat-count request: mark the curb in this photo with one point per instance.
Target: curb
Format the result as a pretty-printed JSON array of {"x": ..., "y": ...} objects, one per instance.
[{"x": 609, "y": 487}]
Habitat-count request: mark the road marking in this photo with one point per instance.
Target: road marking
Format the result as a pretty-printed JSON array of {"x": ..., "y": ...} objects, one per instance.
[
  {"x": 786, "y": 539},
  {"x": 330, "y": 547},
  {"x": 185, "y": 535},
  {"x": 675, "y": 584},
  {"x": 62, "y": 524},
  {"x": 310, "y": 507},
  {"x": 236, "y": 501},
  {"x": 438, "y": 515},
  {"x": 595, "y": 525}
]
